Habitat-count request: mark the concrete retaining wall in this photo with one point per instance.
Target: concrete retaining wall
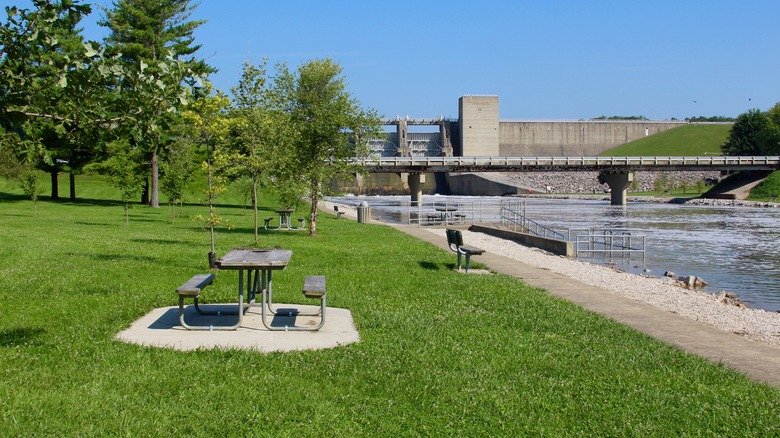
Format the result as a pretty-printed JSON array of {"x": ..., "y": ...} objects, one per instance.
[
  {"x": 559, "y": 247},
  {"x": 578, "y": 138}
]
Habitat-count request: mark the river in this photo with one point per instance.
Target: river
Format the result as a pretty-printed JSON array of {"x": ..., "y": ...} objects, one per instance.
[{"x": 736, "y": 249}]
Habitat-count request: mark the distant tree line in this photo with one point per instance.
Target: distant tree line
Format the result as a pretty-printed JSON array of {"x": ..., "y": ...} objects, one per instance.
[
  {"x": 711, "y": 119},
  {"x": 755, "y": 132},
  {"x": 689, "y": 119},
  {"x": 620, "y": 118}
]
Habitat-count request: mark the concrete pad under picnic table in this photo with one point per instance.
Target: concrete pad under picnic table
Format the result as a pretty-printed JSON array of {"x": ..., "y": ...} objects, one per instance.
[{"x": 161, "y": 328}]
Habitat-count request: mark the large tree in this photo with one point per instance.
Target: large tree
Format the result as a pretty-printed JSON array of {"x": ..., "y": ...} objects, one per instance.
[
  {"x": 331, "y": 126},
  {"x": 743, "y": 137},
  {"x": 147, "y": 34}
]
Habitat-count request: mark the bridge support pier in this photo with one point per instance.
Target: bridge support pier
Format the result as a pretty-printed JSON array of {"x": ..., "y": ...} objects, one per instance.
[
  {"x": 618, "y": 183},
  {"x": 415, "y": 187}
]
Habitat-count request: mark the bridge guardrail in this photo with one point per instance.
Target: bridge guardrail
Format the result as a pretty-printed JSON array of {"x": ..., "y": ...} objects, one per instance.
[{"x": 499, "y": 164}]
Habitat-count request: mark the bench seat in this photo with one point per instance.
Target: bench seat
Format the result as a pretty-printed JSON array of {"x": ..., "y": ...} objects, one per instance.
[
  {"x": 194, "y": 285},
  {"x": 455, "y": 243},
  {"x": 473, "y": 250},
  {"x": 314, "y": 286}
]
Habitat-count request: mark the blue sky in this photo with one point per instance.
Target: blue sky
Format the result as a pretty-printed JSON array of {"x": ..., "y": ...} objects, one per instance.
[{"x": 544, "y": 59}]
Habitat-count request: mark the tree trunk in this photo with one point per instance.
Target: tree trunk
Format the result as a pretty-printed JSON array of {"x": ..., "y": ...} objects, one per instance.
[
  {"x": 154, "y": 198},
  {"x": 55, "y": 184},
  {"x": 313, "y": 216},
  {"x": 254, "y": 203},
  {"x": 72, "y": 186}
]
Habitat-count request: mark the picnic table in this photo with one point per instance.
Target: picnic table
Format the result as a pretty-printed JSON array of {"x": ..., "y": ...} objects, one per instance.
[
  {"x": 446, "y": 211},
  {"x": 259, "y": 265},
  {"x": 285, "y": 220},
  {"x": 284, "y": 217}
]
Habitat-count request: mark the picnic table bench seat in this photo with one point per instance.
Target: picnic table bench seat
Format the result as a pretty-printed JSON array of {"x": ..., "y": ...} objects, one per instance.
[
  {"x": 314, "y": 287},
  {"x": 455, "y": 243}
]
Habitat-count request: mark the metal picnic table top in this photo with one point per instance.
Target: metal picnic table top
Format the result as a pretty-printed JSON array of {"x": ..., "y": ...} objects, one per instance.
[{"x": 253, "y": 258}]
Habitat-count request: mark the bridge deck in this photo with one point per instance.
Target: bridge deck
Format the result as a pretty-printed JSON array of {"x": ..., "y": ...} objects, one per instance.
[{"x": 537, "y": 164}]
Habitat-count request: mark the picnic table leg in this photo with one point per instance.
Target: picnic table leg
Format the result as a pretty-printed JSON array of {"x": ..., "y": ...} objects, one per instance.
[
  {"x": 266, "y": 288},
  {"x": 252, "y": 291},
  {"x": 266, "y": 297}
]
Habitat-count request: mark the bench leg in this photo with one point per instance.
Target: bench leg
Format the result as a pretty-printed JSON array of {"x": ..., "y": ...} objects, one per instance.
[
  {"x": 208, "y": 327},
  {"x": 321, "y": 314},
  {"x": 212, "y": 312}
]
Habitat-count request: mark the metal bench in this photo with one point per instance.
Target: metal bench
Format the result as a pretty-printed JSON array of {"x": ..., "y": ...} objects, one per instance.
[
  {"x": 338, "y": 213},
  {"x": 192, "y": 289},
  {"x": 267, "y": 222},
  {"x": 455, "y": 242}
]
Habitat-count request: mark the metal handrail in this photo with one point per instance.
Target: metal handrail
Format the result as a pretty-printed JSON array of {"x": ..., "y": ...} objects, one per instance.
[
  {"x": 513, "y": 214},
  {"x": 621, "y": 241}
]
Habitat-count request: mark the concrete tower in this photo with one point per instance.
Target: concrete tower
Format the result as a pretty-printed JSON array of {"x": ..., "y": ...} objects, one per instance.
[{"x": 478, "y": 126}]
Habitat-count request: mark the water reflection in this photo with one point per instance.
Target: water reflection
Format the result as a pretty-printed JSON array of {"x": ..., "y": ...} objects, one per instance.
[{"x": 733, "y": 248}]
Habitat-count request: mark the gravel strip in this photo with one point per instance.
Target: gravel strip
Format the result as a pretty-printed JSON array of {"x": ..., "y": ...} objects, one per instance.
[{"x": 756, "y": 324}]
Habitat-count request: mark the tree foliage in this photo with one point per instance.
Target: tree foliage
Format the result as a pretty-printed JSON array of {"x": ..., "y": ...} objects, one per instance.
[
  {"x": 52, "y": 86},
  {"x": 249, "y": 155},
  {"x": 148, "y": 30},
  {"x": 768, "y": 138},
  {"x": 331, "y": 127},
  {"x": 743, "y": 137},
  {"x": 207, "y": 126},
  {"x": 123, "y": 170}
]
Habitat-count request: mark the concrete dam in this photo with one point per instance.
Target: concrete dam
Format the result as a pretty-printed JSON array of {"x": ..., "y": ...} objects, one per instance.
[{"x": 478, "y": 131}]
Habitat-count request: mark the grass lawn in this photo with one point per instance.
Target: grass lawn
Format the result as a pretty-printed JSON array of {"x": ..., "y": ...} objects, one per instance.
[
  {"x": 689, "y": 140},
  {"x": 441, "y": 353},
  {"x": 767, "y": 190}
]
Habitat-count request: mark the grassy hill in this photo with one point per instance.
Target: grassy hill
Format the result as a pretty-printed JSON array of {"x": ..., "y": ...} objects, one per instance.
[{"x": 689, "y": 140}]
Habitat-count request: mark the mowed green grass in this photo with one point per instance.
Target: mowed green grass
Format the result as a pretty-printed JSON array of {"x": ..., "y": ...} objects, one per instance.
[
  {"x": 688, "y": 140},
  {"x": 441, "y": 353}
]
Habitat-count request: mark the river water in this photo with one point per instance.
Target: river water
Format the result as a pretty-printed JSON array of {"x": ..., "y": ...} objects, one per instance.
[{"x": 736, "y": 249}]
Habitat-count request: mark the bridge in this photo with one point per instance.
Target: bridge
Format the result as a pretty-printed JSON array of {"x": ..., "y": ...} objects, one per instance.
[{"x": 619, "y": 169}]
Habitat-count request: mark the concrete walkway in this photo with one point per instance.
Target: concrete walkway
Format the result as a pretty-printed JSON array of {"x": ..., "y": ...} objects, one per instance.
[{"x": 759, "y": 361}]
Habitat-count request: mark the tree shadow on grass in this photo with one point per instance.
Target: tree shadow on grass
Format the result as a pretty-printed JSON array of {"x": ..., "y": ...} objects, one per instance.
[
  {"x": 429, "y": 266},
  {"x": 18, "y": 336}
]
